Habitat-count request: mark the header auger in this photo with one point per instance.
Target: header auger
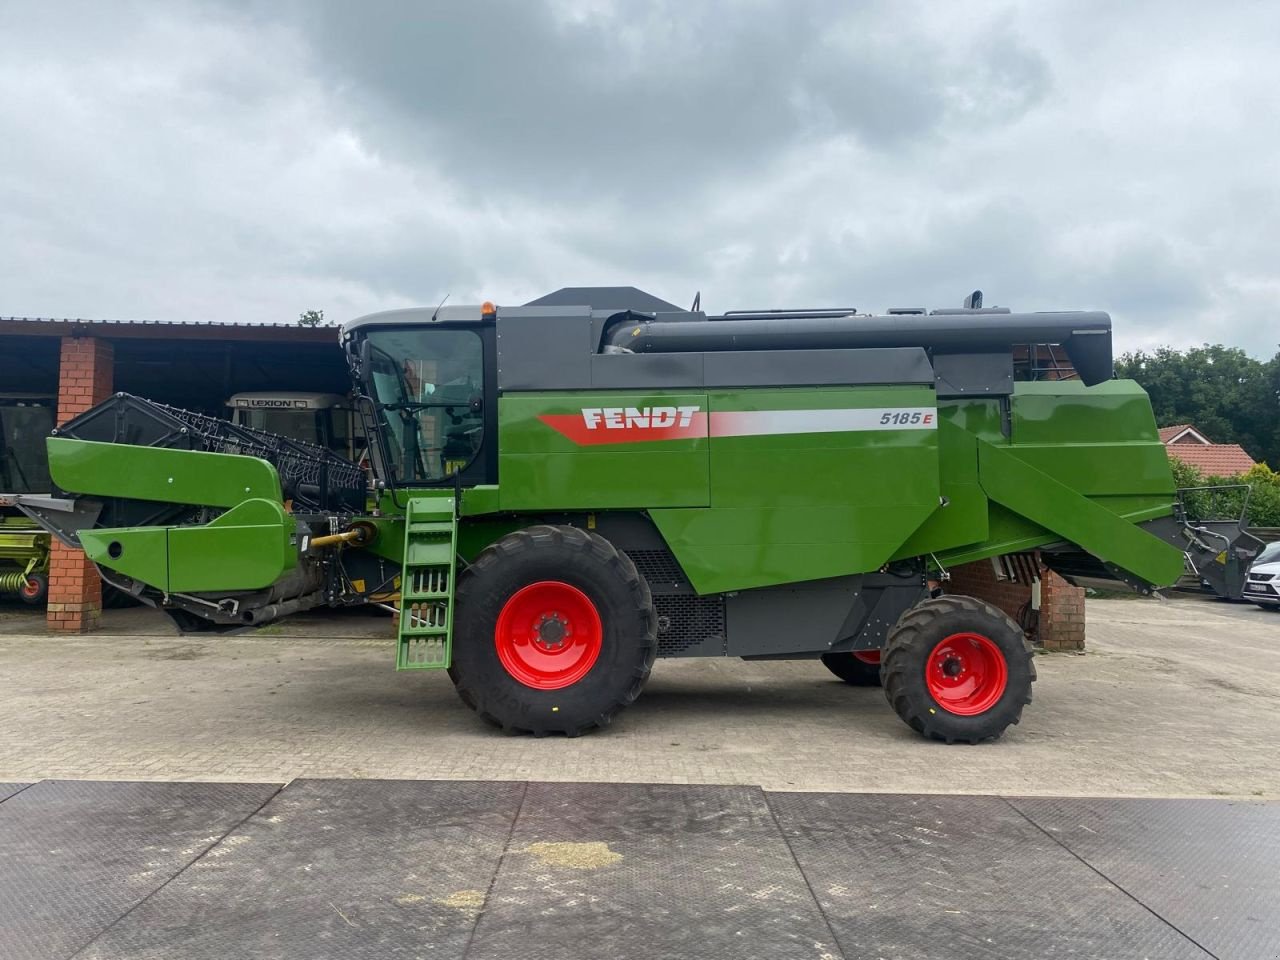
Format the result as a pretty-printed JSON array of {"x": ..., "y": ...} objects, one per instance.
[{"x": 566, "y": 490}]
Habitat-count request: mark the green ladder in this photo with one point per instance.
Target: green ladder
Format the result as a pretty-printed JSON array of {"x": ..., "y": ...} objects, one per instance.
[{"x": 426, "y": 584}]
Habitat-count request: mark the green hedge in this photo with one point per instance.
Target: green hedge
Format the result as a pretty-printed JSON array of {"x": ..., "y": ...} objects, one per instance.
[{"x": 1264, "y": 495}]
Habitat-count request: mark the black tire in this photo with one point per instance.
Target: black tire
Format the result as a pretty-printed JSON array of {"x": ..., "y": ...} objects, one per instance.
[
  {"x": 908, "y": 654},
  {"x": 621, "y": 598},
  {"x": 36, "y": 590},
  {"x": 188, "y": 622},
  {"x": 114, "y": 598},
  {"x": 855, "y": 672}
]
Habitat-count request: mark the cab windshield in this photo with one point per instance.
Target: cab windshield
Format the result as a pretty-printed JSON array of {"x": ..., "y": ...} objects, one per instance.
[
  {"x": 294, "y": 424},
  {"x": 428, "y": 385}
]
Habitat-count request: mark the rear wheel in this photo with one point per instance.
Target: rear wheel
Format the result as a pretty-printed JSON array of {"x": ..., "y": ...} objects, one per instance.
[
  {"x": 956, "y": 668},
  {"x": 859, "y": 668},
  {"x": 554, "y": 632},
  {"x": 35, "y": 589},
  {"x": 114, "y": 598}
]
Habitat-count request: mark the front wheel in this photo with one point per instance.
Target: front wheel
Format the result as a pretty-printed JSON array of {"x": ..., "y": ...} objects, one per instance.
[
  {"x": 957, "y": 669},
  {"x": 554, "y": 632}
]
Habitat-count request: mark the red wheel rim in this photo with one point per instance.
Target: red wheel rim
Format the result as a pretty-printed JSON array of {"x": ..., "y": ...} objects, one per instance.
[
  {"x": 548, "y": 635},
  {"x": 868, "y": 656},
  {"x": 30, "y": 587},
  {"x": 966, "y": 674}
]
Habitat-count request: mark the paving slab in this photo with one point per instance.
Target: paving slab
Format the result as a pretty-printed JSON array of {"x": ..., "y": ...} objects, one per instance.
[
  {"x": 621, "y": 870},
  {"x": 485, "y": 870},
  {"x": 76, "y": 857},
  {"x": 8, "y": 790},
  {"x": 925, "y": 877},
  {"x": 1210, "y": 868},
  {"x": 332, "y": 868}
]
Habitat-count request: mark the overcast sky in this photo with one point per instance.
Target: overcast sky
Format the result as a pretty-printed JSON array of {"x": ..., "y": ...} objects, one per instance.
[{"x": 242, "y": 161}]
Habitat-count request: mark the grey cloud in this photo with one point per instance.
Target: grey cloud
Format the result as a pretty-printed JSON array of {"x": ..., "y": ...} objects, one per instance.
[
  {"x": 246, "y": 160},
  {"x": 655, "y": 99}
]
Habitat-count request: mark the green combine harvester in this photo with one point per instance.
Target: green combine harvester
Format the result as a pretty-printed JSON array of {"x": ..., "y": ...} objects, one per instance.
[{"x": 566, "y": 490}]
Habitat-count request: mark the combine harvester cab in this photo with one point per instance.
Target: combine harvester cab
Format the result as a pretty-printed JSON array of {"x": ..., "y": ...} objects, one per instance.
[{"x": 566, "y": 490}]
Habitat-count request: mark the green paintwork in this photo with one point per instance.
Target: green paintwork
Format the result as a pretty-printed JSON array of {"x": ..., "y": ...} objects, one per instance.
[
  {"x": 247, "y": 548},
  {"x": 426, "y": 584},
  {"x": 789, "y": 507},
  {"x": 478, "y": 501},
  {"x": 542, "y": 470},
  {"x": 966, "y": 516},
  {"x": 143, "y": 552},
  {"x": 1109, "y": 453},
  {"x": 390, "y": 540},
  {"x": 1020, "y": 487},
  {"x": 1100, "y": 442},
  {"x": 157, "y": 473}
]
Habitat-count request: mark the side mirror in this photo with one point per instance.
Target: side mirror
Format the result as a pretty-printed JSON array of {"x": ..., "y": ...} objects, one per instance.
[{"x": 364, "y": 356}]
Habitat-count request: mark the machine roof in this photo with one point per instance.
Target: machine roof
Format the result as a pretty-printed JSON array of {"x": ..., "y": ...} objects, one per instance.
[{"x": 605, "y": 298}]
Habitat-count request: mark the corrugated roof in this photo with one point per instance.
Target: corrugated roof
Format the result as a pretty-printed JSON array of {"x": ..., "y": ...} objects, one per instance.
[
  {"x": 209, "y": 330},
  {"x": 605, "y": 298},
  {"x": 157, "y": 323},
  {"x": 1213, "y": 460}
]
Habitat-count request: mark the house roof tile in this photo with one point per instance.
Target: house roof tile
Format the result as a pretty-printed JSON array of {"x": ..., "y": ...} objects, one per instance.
[{"x": 1213, "y": 460}]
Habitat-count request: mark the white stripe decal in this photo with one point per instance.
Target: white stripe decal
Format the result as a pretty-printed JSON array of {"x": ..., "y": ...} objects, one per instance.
[{"x": 756, "y": 423}]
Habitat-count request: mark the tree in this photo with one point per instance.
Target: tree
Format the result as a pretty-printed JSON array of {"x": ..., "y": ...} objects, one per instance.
[
  {"x": 1225, "y": 393},
  {"x": 311, "y": 318}
]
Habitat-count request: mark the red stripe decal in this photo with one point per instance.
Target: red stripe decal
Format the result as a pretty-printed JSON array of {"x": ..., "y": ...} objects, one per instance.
[{"x": 628, "y": 424}]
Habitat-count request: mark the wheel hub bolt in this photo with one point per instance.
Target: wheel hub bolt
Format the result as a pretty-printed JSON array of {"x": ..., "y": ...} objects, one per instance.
[{"x": 552, "y": 631}]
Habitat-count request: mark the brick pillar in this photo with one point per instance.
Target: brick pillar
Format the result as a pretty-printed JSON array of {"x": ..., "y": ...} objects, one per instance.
[
  {"x": 1061, "y": 614},
  {"x": 75, "y": 591},
  {"x": 979, "y": 580},
  {"x": 1061, "y": 620}
]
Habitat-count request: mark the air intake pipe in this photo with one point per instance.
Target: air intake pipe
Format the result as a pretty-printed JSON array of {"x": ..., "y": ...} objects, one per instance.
[{"x": 1085, "y": 336}]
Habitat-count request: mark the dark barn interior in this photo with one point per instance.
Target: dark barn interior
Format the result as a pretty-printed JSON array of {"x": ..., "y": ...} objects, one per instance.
[{"x": 196, "y": 366}]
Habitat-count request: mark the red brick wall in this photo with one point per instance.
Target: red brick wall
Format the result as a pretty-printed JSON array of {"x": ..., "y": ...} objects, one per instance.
[
  {"x": 84, "y": 379},
  {"x": 1061, "y": 614},
  {"x": 979, "y": 580},
  {"x": 1061, "y": 622}
]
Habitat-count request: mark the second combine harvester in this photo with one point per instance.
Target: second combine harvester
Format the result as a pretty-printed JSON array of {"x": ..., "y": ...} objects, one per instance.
[{"x": 566, "y": 490}]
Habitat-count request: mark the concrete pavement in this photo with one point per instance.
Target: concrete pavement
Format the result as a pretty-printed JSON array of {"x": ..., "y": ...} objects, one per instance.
[{"x": 1174, "y": 699}]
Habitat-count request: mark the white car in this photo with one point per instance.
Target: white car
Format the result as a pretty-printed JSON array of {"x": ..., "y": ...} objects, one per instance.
[{"x": 1262, "y": 586}]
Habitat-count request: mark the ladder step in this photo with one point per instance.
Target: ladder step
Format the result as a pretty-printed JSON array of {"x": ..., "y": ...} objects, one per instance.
[
  {"x": 439, "y": 528},
  {"x": 426, "y": 584},
  {"x": 433, "y": 557},
  {"x": 423, "y": 654}
]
